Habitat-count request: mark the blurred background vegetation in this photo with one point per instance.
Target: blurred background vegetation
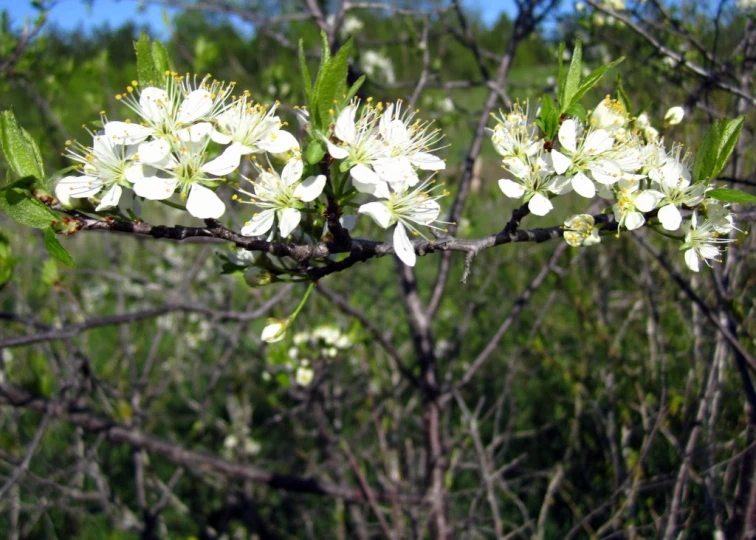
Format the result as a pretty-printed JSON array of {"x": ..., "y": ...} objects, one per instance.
[{"x": 598, "y": 382}]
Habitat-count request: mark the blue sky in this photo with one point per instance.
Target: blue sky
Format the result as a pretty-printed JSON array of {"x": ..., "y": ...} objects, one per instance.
[{"x": 77, "y": 14}]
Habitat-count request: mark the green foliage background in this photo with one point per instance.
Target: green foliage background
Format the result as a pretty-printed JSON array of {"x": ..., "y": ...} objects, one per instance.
[{"x": 609, "y": 339}]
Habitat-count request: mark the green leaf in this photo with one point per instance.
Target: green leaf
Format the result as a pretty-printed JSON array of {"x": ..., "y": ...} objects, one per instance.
[
  {"x": 306, "y": 80},
  {"x": 315, "y": 152},
  {"x": 326, "y": 49},
  {"x": 21, "y": 206},
  {"x": 145, "y": 62},
  {"x": 706, "y": 155},
  {"x": 731, "y": 196},
  {"x": 560, "y": 73},
  {"x": 331, "y": 83},
  {"x": 572, "y": 83},
  {"x": 549, "y": 118},
  {"x": 7, "y": 260},
  {"x": 729, "y": 133},
  {"x": 590, "y": 81},
  {"x": 622, "y": 96},
  {"x": 354, "y": 89},
  {"x": 578, "y": 111},
  {"x": 20, "y": 150},
  {"x": 160, "y": 60},
  {"x": 55, "y": 248}
]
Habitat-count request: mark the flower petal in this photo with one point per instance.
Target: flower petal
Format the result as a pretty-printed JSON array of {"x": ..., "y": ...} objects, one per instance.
[
  {"x": 224, "y": 164},
  {"x": 560, "y": 161},
  {"x": 403, "y": 246},
  {"x": 670, "y": 217},
  {"x": 203, "y": 203},
  {"x": 292, "y": 171},
  {"x": 78, "y": 187},
  {"x": 154, "y": 104},
  {"x": 379, "y": 212},
  {"x": 337, "y": 152},
  {"x": 154, "y": 152},
  {"x": 278, "y": 142},
  {"x": 633, "y": 220},
  {"x": 220, "y": 138},
  {"x": 425, "y": 213},
  {"x": 196, "y": 133},
  {"x": 691, "y": 259},
  {"x": 345, "y": 128},
  {"x": 126, "y": 132},
  {"x": 427, "y": 162},
  {"x": 310, "y": 188},
  {"x": 583, "y": 186},
  {"x": 540, "y": 205},
  {"x": 380, "y": 190},
  {"x": 606, "y": 172},
  {"x": 568, "y": 135},
  {"x": 288, "y": 219},
  {"x": 598, "y": 142},
  {"x": 365, "y": 174},
  {"x": 111, "y": 198},
  {"x": 647, "y": 200},
  {"x": 155, "y": 188},
  {"x": 196, "y": 105},
  {"x": 511, "y": 189},
  {"x": 259, "y": 224}
]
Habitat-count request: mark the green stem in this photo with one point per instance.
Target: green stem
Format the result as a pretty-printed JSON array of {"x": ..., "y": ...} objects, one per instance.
[
  {"x": 303, "y": 302},
  {"x": 672, "y": 236},
  {"x": 171, "y": 204}
]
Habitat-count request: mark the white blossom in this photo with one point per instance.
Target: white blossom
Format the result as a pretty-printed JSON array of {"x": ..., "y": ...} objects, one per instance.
[
  {"x": 580, "y": 230},
  {"x": 632, "y": 203},
  {"x": 104, "y": 166},
  {"x": 167, "y": 113},
  {"x": 674, "y": 116},
  {"x": 282, "y": 197},
  {"x": 702, "y": 242},
  {"x": 406, "y": 210},
  {"x": 534, "y": 180},
  {"x": 249, "y": 128},
  {"x": 516, "y": 133}
]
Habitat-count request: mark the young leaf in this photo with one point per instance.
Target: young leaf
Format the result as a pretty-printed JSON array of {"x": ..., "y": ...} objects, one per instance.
[
  {"x": 578, "y": 111},
  {"x": 572, "y": 83},
  {"x": 21, "y": 206},
  {"x": 160, "y": 59},
  {"x": 145, "y": 63},
  {"x": 326, "y": 48},
  {"x": 590, "y": 81},
  {"x": 19, "y": 148},
  {"x": 354, "y": 89},
  {"x": 306, "y": 80},
  {"x": 729, "y": 133},
  {"x": 707, "y": 153},
  {"x": 622, "y": 96},
  {"x": 331, "y": 85},
  {"x": 549, "y": 118},
  {"x": 55, "y": 248},
  {"x": 731, "y": 196},
  {"x": 560, "y": 73}
]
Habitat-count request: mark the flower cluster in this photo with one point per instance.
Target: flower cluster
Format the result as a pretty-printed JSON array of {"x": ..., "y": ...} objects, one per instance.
[
  {"x": 617, "y": 158},
  {"x": 190, "y": 133},
  {"x": 384, "y": 147},
  {"x": 180, "y": 125}
]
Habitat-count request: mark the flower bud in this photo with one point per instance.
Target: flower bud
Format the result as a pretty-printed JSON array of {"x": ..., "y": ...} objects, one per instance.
[
  {"x": 674, "y": 116},
  {"x": 256, "y": 277},
  {"x": 275, "y": 330}
]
